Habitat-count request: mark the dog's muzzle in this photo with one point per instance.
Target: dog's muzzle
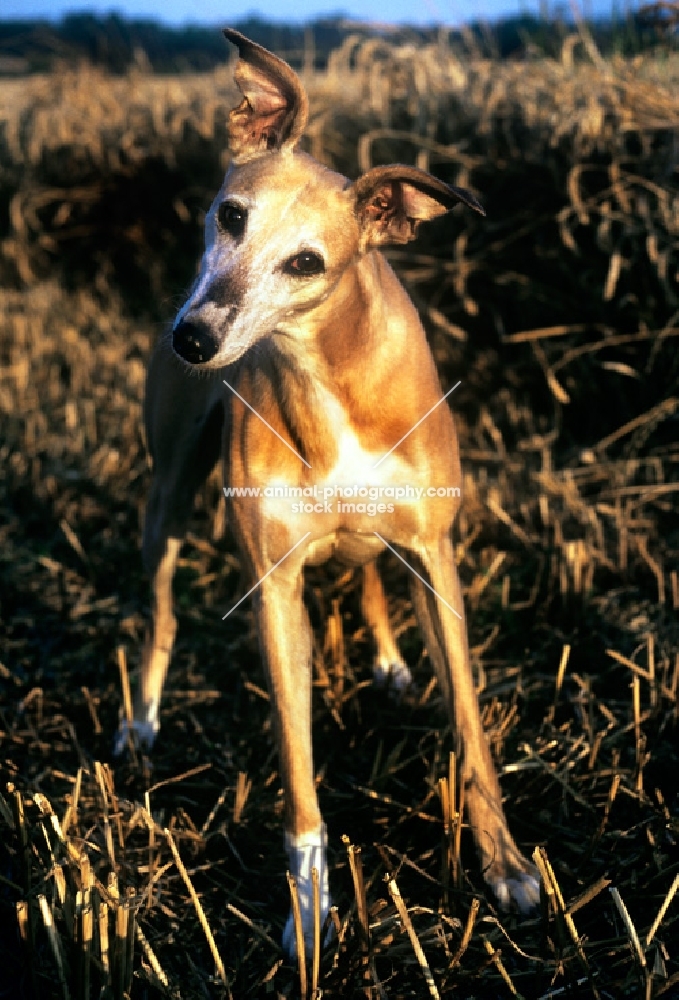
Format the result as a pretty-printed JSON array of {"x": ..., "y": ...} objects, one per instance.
[{"x": 193, "y": 343}]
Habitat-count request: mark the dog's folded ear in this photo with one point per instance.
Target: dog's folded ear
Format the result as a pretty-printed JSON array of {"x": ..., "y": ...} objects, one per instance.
[
  {"x": 391, "y": 202},
  {"x": 274, "y": 110}
]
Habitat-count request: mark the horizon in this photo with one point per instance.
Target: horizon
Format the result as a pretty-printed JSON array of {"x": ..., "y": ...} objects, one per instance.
[{"x": 182, "y": 13}]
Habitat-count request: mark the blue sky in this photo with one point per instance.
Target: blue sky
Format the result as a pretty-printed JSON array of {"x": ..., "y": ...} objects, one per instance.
[{"x": 218, "y": 12}]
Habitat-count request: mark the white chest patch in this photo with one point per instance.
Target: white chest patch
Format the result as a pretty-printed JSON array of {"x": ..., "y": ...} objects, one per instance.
[
  {"x": 354, "y": 465},
  {"x": 357, "y": 475}
]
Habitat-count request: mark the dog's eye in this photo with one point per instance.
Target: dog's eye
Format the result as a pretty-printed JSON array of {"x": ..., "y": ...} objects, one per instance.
[
  {"x": 304, "y": 265},
  {"x": 232, "y": 218}
]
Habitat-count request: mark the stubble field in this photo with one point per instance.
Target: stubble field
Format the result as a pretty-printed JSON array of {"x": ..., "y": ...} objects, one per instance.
[{"x": 559, "y": 314}]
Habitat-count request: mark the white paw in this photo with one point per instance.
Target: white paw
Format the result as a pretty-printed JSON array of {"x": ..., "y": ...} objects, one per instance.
[
  {"x": 305, "y": 852},
  {"x": 142, "y": 733},
  {"x": 520, "y": 893},
  {"x": 393, "y": 672}
]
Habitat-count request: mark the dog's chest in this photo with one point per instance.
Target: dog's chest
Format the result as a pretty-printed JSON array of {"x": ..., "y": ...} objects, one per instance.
[
  {"x": 354, "y": 464},
  {"x": 346, "y": 479}
]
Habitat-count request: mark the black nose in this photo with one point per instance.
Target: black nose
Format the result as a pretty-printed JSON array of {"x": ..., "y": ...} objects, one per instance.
[{"x": 193, "y": 343}]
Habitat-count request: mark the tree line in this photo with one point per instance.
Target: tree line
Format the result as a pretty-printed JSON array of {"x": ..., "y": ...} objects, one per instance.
[{"x": 116, "y": 43}]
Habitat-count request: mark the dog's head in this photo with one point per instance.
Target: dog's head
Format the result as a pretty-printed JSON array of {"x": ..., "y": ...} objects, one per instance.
[{"x": 283, "y": 229}]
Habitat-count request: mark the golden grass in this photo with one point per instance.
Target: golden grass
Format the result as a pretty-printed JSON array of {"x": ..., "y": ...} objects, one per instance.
[{"x": 560, "y": 314}]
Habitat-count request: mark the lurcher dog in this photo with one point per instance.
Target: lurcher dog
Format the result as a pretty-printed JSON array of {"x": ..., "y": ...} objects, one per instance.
[{"x": 329, "y": 380}]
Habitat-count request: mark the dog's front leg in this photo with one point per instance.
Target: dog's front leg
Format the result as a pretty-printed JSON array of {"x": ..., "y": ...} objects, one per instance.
[
  {"x": 441, "y": 613},
  {"x": 286, "y": 642}
]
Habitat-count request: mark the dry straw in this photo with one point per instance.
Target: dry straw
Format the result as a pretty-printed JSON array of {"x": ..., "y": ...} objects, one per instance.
[
  {"x": 560, "y": 312},
  {"x": 219, "y": 965}
]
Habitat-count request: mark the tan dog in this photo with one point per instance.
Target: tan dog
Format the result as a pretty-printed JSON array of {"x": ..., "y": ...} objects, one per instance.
[{"x": 327, "y": 369}]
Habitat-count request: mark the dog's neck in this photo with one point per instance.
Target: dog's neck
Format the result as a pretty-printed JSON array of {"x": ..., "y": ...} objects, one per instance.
[
  {"x": 319, "y": 372},
  {"x": 343, "y": 367}
]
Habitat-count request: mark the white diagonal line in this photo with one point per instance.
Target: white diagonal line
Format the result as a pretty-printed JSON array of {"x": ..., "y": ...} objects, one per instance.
[
  {"x": 412, "y": 570},
  {"x": 408, "y": 433},
  {"x": 268, "y": 572},
  {"x": 253, "y": 410}
]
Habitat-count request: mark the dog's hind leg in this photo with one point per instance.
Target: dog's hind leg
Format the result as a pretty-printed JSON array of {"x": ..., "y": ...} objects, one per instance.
[
  {"x": 184, "y": 418},
  {"x": 388, "y": 666}
]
